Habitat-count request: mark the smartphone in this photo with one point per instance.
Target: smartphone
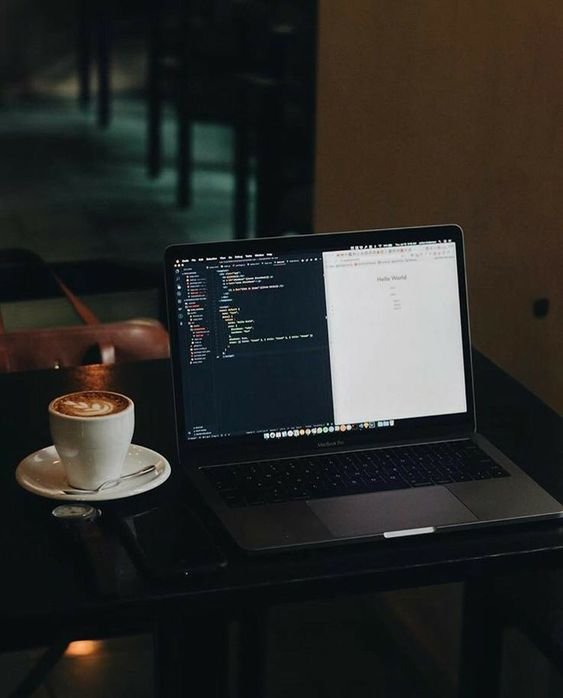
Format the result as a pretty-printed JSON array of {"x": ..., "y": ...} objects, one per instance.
[{"x": 169, "y": 542}]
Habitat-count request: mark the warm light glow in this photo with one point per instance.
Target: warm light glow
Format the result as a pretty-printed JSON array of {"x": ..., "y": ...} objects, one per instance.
[{"x": 83, "y": 648}]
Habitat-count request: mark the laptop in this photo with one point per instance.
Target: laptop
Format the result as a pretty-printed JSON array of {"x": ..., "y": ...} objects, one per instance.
[{"x": 323, "y": 389}]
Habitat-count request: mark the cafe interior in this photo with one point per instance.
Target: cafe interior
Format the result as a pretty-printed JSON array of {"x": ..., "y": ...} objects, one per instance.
[{"x": 126, "y": 127}]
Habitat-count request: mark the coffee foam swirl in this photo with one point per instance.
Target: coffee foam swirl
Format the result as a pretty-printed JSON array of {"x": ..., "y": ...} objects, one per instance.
[
  {"x": 90, "y": 404},
  {"x": 94, "y": 408}
]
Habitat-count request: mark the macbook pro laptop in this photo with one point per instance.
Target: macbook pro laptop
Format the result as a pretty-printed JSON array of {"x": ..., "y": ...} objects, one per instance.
[{"x": 323, "y": 389}]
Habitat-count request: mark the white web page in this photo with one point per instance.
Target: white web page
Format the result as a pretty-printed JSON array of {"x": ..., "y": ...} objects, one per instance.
[{"x": 394, "y": 332}]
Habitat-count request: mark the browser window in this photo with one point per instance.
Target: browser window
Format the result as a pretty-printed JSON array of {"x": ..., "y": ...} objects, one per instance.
[{"x": 394, "y": 328}]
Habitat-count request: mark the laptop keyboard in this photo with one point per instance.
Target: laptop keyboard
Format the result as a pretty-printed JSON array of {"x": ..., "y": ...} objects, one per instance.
[{"x": 336, "y": 475}]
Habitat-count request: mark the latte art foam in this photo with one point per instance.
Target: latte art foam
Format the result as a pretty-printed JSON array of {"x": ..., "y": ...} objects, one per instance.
[
  {"x": 93, "y": 408},
  {"x": 90, "y": 404}
]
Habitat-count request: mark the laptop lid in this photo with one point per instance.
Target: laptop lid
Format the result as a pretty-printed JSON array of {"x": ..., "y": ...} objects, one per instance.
[{"x": 302, "y": 344}]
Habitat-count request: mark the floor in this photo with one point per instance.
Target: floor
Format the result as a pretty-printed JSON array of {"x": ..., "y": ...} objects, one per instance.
[
  {"x": 71, "y": 191},
  {"x": 317, "y": 650},
  {"x": 116, "y": 668}
]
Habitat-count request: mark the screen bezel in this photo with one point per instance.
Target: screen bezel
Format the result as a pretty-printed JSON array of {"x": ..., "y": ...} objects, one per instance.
[{"x": 210, "y": 451}]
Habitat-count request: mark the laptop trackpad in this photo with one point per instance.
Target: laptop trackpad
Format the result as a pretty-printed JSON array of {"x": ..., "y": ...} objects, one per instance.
[{"x": 365, "y": 514}]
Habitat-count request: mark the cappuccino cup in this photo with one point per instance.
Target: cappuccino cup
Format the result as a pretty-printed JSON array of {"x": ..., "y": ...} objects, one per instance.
[{"x": 92, "y": 432}]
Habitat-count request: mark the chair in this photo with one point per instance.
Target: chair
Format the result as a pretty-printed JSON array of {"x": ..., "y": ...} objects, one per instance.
[
  {"x": 190, "y": 56},
  {"x": 277, "y": 110},
  {"x": 250, "y": 65},
  {"x": 25, "y": 275}
]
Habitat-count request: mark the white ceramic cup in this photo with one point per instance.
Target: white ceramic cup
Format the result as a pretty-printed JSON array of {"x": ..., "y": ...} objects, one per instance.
[{"x": 92, "y": 432}]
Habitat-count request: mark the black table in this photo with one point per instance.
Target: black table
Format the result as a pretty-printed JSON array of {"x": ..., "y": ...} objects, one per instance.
[{"x": 47, "y": 599}]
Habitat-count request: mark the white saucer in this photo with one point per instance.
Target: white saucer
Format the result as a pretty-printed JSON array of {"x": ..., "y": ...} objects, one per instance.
[{"x": 42, "y": 473}]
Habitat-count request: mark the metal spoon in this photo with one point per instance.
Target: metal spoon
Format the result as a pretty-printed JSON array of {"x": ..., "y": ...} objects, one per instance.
[{"x": 112, "y": 483}]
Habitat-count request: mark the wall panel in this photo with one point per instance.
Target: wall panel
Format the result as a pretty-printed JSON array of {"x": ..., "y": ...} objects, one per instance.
[{"x": 452, "y": 111}]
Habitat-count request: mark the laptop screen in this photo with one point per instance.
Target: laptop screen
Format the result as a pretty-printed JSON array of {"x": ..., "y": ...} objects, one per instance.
[{"x": 354, "y": 334}]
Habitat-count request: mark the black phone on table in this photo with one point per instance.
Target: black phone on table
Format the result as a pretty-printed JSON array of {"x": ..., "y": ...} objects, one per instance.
[{"x": 169, "y": 542}]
